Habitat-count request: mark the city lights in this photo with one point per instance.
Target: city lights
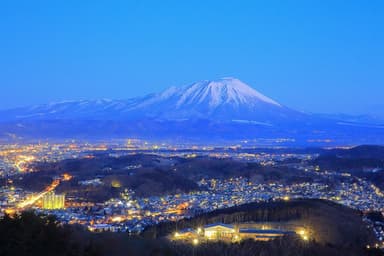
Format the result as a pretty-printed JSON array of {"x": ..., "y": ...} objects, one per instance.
[{"x": 130, "y": 212}]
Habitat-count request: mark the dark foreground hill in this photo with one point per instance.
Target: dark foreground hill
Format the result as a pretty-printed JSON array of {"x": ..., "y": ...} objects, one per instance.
[
  {"x": 332, "y": 225},
  {"x": 337, "y": 231}
]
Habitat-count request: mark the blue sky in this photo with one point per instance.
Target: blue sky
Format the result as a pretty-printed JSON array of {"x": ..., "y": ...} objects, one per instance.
[{"x": 317, "y": 56}]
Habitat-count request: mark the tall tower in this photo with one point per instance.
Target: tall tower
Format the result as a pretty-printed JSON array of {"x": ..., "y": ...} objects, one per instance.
[{"x": 51, "y": 201}]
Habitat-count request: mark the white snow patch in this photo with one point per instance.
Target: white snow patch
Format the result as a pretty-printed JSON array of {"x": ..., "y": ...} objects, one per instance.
[
  {"x": 251, "y": 122},
  {"x": 361, "y": 125}
]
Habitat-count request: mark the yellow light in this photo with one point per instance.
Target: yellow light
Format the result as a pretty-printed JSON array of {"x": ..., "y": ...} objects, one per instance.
[
  {"x": 10, "y": 211},
  {"x": 199, "y": 230},
  {"x": 195, "y": 241},
  {"x": 286, "y": 198},
  {"x": 117, "y": 219},
  {"x": 115, "y": 184},
  {"x": 66, "y": 177},
  {"x": 304, "y": 234},
  {"x": 176, "y": 235}
]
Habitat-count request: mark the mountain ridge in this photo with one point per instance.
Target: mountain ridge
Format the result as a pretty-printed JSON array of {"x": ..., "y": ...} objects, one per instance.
[
  {"x": 220, "y": 110},
  {"x": 223, "y": 99}
]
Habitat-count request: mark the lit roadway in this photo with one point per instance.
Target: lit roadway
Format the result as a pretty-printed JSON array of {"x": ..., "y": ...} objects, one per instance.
[{"x": 31, "y": 201}]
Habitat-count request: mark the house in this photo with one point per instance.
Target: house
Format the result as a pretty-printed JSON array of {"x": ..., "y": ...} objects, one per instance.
[
  {"x": 102, "y": 228},
  {"x": 219, "y": 231}
]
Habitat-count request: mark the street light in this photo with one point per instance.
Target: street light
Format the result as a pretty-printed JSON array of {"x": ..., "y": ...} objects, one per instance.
[
  {"x": 304, "y": 234},
  {"x": 195, "y": 242}
]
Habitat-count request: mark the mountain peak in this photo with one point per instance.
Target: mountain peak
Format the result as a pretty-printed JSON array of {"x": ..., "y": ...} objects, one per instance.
[
  {"x": 227, "y": 90},
  {"x": 224, "y": 99}
]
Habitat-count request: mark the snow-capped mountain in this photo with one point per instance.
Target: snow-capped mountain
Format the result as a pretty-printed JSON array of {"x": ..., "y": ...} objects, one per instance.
[
  {"x": 226, "y": 99},
  {"x": 225, "y": 91},
  {"x": 223, "y": 109}
]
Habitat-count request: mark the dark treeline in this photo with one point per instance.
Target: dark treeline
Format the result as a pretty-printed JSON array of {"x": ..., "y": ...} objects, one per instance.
[
  {"x": 40, "y": 235},
  {"x": 289, "y": 246},
  {"x": 30, "y": 234}
]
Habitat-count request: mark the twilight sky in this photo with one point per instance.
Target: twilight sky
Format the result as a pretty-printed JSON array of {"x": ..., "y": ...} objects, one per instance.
[{"x": 322, "y": 56}]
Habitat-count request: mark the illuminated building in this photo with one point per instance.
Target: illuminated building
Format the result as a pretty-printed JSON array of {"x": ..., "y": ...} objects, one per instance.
[
  {"x": 223, "y": 231},
  {"x": 262, "y": 234},
  {"x": 102, "y": 228},
  {"x": 219, "y": 231},
  {"x": 51, "y": 201},
  {"x": 186, "y": 234},
  {"x": 231, "y": 233}
]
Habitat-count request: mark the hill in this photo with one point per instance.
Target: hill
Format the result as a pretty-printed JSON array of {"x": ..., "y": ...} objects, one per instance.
[
  {"x": 337, "y": 230},
  {"x": 331, "y": 223},
  {"x": 148, "y": 175}
]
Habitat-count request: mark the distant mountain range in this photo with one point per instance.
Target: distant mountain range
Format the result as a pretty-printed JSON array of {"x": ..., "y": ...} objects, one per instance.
[
  {"x": 224, "y": 109},
  {"x": 226, "y": 99}
]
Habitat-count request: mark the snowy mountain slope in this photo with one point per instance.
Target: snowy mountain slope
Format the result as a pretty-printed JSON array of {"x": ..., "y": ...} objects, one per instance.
[
  {"x": 83, "y": 109},
  {"x": 225, "y": 99},
  {"x": 224, "y": 109},
  {"x": 222, "y": 100}
]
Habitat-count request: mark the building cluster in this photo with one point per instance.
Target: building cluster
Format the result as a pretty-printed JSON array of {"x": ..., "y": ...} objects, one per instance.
[
  {"x": 132, "y": 214},
  {"x": 129, "y": 213},
  {"x": 51, "y": 201}
]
